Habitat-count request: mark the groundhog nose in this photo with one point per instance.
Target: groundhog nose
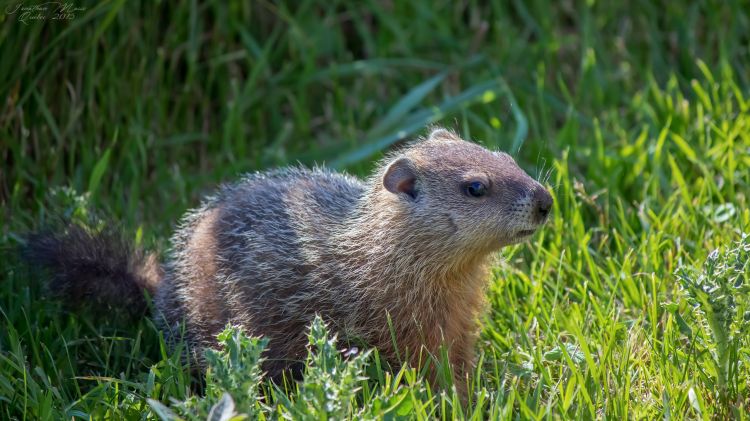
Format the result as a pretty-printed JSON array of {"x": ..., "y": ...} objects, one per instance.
[{"x": 542, "y": 203}]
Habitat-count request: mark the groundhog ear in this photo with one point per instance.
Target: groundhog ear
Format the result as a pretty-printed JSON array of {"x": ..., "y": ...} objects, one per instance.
[
  {"x": 442, "y": 134},
  {"x": 400, "y": 177}
]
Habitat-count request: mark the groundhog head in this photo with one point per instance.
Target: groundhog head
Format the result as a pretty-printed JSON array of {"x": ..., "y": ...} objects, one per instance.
[{"x": 466, "y": 194}]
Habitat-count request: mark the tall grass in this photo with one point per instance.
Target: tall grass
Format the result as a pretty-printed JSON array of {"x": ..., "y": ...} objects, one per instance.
[{"x": 636, "y": 114}]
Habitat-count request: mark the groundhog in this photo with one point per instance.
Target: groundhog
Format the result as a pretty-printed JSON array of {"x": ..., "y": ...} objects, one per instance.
[{"x": 398, "y": 261}]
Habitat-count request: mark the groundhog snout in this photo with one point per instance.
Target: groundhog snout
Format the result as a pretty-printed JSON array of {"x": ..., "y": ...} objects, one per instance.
[{"x": 541, "y": 203}]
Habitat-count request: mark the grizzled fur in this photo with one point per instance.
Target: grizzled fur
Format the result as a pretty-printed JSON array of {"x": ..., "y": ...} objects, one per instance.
[{"x": 274, "y": 249}]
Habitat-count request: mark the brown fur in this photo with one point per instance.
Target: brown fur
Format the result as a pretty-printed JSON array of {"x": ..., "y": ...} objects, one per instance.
[
  {"x": 204, "y": 307},
  {"x": 409, "y": 244}
]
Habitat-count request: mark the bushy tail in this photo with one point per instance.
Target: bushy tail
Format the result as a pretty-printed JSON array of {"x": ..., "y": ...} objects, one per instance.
[{"x": 95, "y": 270}]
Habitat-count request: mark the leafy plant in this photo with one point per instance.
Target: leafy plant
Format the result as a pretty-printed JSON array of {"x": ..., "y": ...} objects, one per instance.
[
  {"x": 233, "y": 379},
  {"x": 330, "y": 384},
  {"x": 719, "y": 292},
  {"x": 328, "y": 390}
]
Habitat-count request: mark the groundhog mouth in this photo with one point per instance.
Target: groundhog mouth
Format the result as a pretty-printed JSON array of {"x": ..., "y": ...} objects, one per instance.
[{"x": 525, "y": 233}]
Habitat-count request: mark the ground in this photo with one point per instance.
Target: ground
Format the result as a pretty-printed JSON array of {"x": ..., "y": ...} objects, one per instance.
[{"x": 635, "y": 113}]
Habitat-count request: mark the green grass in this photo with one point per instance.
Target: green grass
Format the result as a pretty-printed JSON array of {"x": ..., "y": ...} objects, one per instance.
[{"x": 638, "y": 111}]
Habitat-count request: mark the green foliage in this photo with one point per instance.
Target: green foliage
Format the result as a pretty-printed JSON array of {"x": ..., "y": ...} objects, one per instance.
[
  {"x": 332, "y": 382},
  {"x": 720, "y": 292},
  {"x": 328, "y": 390},
  {"x": 635, "y": 113},
  {"x": 233, "y": 377},
  {"x": 330, "y": 385}
]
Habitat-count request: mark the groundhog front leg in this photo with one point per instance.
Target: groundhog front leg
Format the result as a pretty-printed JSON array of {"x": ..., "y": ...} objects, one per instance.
[{"x": 463, "y": 363}]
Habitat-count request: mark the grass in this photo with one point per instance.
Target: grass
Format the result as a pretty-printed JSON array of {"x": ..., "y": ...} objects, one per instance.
[{"x": 618, "y": 309}]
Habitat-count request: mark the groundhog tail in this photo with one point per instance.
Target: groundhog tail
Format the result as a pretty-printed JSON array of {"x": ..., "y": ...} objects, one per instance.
[{"x": 98, "y": 271}]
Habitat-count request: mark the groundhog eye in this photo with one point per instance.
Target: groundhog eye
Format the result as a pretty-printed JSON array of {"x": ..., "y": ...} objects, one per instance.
[{"x": 475, "y": 189}]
